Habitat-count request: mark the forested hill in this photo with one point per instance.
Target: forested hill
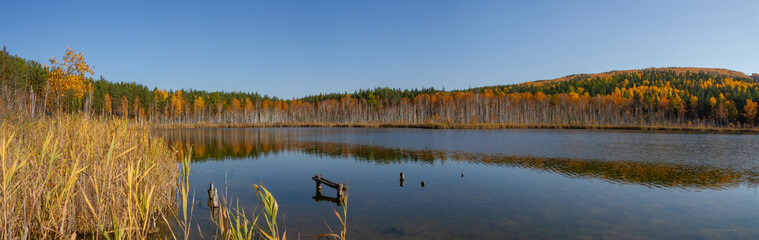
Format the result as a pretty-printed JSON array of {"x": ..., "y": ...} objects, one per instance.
[
  {"x": 600, "y": 82},
  {"x": 593, "y": 84},
  {"x": 679, "y": 70},
  {"x": 703, "y": 97},
  {"x": 697, "y": 92}
]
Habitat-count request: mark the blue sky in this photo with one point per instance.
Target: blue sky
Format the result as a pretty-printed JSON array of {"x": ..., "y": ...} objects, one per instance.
[{"x": 297, "y": 48}]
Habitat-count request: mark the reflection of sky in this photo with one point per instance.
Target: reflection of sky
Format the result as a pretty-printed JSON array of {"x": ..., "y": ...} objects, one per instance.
[
  {"x": 717, "y": 150},
  {"x": 615, "y": 162},
  {"x": 526, "y": 197},
  {"x": 488, "y": 203}
]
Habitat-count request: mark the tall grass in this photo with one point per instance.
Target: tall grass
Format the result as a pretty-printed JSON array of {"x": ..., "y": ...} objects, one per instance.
[
  {"x": 184, "y": 221},
  {"x": 69, "y": 176},
  {"x": 343, "y": 218},
  {"x": 234, "y": 224},
  {"x": 66, "y": 176}
]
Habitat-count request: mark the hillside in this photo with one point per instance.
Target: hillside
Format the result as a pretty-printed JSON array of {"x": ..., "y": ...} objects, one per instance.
[
  {"x": 695, "y": 93},
  {"x": 599, "y": 83},
  {"x": 655, "y": 76},
  {"x": 678, "y": 70},
  {"x": 699, "y": 92}
]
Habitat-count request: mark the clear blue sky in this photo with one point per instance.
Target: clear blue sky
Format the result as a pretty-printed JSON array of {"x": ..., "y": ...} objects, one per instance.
[{"x": 296, "y": 48}]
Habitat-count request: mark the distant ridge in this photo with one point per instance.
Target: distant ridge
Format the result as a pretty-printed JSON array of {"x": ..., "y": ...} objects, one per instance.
[{"x": 679, "y": 70}]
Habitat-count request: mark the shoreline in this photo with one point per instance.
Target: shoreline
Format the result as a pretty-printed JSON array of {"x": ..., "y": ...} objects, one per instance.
[{"x": 459, "y": 126}]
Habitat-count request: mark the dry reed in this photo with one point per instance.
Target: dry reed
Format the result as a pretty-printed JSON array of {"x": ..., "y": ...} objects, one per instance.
[{"x": 66, "y": 176}]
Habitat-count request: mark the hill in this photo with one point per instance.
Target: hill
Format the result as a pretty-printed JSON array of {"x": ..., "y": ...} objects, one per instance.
[
  {"x": 684, "y": 93},
  {"x": 678, "y": 70}
]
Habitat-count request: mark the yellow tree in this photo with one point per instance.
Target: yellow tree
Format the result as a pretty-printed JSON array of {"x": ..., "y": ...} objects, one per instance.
[
  {"x": 136, "y": 109},
  {"x": 142, "y": 114},
  {"x": 693, "y": 104},
  {"x": 265, "y": 104},
  {"x": 248, "y": 105},
  {"x": 236, "y": 106},
  {"x": 68, "y": 75},
  {"x": 160, "y": 97},
  {"x": 199, "y": 105},
  {"x": 750, "y": 111},
  {"x": 177, "y": 102},
  {"x": 107, "y": 106},
  {"x": 712, "y": 101},
  {"x": 124, "y": 107}
]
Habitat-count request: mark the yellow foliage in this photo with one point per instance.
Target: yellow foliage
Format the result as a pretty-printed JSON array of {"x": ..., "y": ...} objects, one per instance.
[
  {"x": 107, "y": 104},
  {"x": 693, "y": 102},
  {"x": 750, "y": 110},
  {"x": 199, "y": 103},
  {"x": 236, "y": 106},
  {"x": 177, "y": 102},
  {"x": 248, "y": 105},
  {"x": 160, "y": 95},
  {"x": 69, "y": 75}
]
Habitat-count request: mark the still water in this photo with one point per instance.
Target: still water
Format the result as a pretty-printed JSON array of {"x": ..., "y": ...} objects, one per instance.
[{"x": 516, "y": 184}]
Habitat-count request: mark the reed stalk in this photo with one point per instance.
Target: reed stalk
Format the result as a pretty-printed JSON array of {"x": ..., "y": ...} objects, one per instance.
[{"x": 68, "y": 176}]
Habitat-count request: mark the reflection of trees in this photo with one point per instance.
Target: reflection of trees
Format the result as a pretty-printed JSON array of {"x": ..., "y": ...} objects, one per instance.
[{"x": 220, "y": 145}]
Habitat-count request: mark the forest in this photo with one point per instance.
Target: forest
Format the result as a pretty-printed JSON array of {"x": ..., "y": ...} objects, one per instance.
[{"x": 677, "y": 97}]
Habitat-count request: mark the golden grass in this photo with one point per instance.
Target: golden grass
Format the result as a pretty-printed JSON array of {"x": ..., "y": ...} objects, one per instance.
[
  {"x": 70, "y": 176},
  {"x": 67, "y": 175}
]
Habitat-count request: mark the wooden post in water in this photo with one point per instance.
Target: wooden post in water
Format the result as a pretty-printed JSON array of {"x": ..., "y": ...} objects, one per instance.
[
  {"x": 340, "y": 187},
  {"x": 213, "y": 197},
  {"x": 403, "y": 179}
]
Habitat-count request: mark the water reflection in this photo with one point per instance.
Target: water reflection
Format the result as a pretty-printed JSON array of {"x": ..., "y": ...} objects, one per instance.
[{"x": 213, "y": 145}]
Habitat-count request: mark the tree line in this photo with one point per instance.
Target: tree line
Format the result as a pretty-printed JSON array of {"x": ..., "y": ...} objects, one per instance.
[{"x": 655, "y": 96}]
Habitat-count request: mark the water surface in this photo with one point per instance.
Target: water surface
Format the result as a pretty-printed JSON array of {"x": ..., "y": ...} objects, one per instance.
[{"x": 518, "y": 184}]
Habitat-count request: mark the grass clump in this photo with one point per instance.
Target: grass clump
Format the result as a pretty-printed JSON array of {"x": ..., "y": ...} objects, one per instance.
[{"x": 67, "y": 175}]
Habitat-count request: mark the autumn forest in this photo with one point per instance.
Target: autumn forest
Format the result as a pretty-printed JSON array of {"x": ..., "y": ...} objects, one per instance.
[{"x": 676, "y": 97}]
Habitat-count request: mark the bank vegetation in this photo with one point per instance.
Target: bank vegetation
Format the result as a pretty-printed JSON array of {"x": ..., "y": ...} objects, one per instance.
[{"x": 654, "y": 98}]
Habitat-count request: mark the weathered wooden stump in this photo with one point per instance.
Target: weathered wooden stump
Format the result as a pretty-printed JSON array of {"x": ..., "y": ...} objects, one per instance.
[
  {"x": 403, "y": 179},
  {"x": 213, "y": 197},
  {"x": 340, "y": 187}
]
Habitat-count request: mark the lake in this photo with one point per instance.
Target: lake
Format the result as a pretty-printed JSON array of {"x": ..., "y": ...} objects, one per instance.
[{"x": 516, "y": 183}]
